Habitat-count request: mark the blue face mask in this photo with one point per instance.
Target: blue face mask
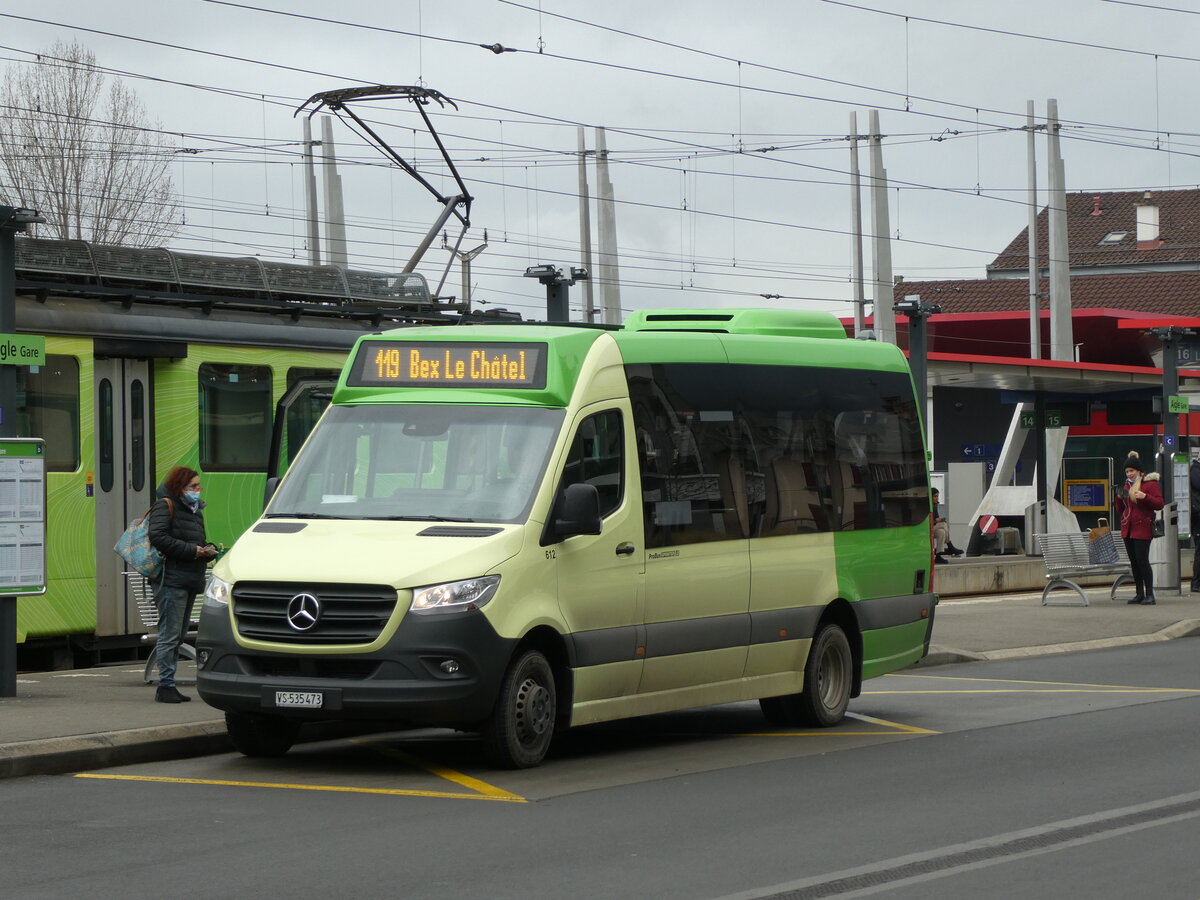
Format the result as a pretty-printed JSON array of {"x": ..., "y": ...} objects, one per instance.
[{"x": 191, "y": 496}]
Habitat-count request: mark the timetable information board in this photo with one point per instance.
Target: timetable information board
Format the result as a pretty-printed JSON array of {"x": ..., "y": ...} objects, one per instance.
[
  {"x": 22, "y": 516},
  {"x": 1086, "y": 494}
]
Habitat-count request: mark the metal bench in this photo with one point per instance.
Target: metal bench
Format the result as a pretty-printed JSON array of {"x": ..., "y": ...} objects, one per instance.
[
  {"x": 1068, "y": 556},
  {"x": 143, "y": 594}
]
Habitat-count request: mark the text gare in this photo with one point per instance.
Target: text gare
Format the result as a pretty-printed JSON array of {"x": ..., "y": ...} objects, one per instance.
[
  {"x": 452, "y": 365},
  {"x": 10, "y": 351}
]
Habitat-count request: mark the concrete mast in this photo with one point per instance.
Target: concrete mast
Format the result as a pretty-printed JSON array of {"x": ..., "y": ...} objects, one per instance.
[
  {"x": 881, "y": 247},
  {"x": 610, "y": 287},
  {"x": 585, "y": 230},
  {"x": 335, "y": 213},
  {"x": 856, "y": 249},
  {"x": 1061, "y": 341},
  {"x": 1035, "y": 324},
  {"x": 310, "y": 197}
]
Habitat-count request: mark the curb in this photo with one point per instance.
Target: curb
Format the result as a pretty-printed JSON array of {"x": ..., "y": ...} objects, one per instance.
[
  {"x": 102, "y": 750},
  {"x": 54, "y": 756},
  {"x": 940, "y": 656}
]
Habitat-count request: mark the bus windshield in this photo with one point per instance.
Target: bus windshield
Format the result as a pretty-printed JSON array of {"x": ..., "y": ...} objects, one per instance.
[{"x": 421, "y": 462}]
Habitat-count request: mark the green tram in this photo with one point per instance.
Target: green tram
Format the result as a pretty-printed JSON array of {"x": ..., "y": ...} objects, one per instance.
[{"x": 156, "y": 358}]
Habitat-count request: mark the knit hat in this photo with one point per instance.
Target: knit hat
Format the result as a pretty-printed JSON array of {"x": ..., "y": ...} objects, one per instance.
[{"x": 1133, "y": 462}]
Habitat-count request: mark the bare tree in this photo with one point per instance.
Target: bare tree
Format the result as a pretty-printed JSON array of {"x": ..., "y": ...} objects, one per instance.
[{"x": 88, "y": 158}]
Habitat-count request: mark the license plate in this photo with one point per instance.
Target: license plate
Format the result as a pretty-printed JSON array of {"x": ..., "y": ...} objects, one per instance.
[{"x": 299, "y": 699}]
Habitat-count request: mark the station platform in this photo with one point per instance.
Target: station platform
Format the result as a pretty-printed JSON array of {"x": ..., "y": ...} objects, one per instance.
[{"x": 998, "y": 574}]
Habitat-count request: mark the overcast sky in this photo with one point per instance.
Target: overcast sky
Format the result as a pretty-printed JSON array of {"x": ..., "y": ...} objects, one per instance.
[{"x": 699, "y": 223}]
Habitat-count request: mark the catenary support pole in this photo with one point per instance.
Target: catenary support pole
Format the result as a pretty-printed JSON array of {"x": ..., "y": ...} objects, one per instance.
[
  {"x": 881, "y": 245},
  {"x": 856, "y": 248},
  {"x": 1035, "y": 322},
  {"x": 310, "y": 197},
  {"x": 585, "y": 228},
  {"x": 335, "y": 211},
  {"x": 606, "y": 216}
]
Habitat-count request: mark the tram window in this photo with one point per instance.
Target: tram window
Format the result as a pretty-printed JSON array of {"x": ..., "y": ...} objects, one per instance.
[
  {"x": 235, "y": 417},
  {"x": 104, "y": 434},
  {"x": 137, "y": 435},
  {"x": 48, "y": 407}
]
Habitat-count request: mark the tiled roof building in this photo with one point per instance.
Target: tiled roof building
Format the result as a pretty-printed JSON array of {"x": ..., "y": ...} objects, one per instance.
[
  {"x": 1133, "y": 254},
  {"x": 1156, "y": 231}
]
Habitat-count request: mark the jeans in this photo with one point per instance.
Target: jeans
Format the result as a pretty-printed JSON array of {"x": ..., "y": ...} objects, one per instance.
[{"x": 174, "y": 613}]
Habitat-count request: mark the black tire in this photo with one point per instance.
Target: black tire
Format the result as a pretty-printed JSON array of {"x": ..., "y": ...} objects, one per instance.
[
  {"x": 828, "y": 681},
  {"x": 255, "y": 735},
  {"x": 520, "y": 728}
]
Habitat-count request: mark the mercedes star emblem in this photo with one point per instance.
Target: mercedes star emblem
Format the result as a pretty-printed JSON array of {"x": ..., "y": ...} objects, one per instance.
[{"x": 303, "y": 610}]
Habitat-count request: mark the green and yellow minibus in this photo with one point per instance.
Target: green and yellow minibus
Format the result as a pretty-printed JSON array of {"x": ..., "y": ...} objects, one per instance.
[{"x": 517, "y": 529}]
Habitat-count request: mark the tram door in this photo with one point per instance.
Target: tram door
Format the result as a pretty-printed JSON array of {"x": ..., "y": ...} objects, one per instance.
[{"x": 124, "y": 482}]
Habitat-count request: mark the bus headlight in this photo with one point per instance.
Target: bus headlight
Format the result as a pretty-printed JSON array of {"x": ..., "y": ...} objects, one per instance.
[
  {"x": 216, "y": 594},
  {"x": 455, "y": 596}
]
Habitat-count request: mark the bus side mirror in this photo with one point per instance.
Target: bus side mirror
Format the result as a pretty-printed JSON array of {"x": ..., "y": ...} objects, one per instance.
[
  {"x": 577, "y": 511},
  {"x": 269, "y": 490}
]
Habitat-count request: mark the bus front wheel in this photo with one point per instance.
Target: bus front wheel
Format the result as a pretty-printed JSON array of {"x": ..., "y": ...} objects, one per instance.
[
  {"x": 518, "y": 732},
  {"x": 828, "y": 680}
]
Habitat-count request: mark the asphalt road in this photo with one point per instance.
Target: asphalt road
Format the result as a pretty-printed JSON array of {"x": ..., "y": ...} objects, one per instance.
[{"x": 1059, "y": 776}]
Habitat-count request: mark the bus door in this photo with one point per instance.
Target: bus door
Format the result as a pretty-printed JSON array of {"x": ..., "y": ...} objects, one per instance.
[
  {"x": 600, "y": 577},
  {"x": 697, "y": 518},
  {"x": 124, "y": 482}
]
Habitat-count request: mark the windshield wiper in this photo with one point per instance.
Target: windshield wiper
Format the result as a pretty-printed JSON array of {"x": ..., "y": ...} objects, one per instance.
[
  {"x": 419, "y": 519},
  {"x": 304, "y": 516}
]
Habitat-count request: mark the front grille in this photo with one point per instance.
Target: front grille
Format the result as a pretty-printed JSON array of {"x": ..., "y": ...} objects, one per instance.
[
  {"x": 313, "y": 667},
  {"x": 345, "y": 614}
]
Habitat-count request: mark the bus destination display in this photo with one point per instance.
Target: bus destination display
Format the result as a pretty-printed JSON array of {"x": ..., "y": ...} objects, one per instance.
[{"x": 475, "y": 365}]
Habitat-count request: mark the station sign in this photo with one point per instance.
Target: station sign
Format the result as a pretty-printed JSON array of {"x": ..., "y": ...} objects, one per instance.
[
  {"x": 1053, "y": 419},
  {"x": 980, "y": 451},
  {"x": 1187, "y": 353},
  {"x": 22, "y": 350}
]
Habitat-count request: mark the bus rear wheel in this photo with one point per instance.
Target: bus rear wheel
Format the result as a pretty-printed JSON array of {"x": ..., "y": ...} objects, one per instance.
[
  {"x": 828, "y": 680},
  {"x": 255, "y": 735},
  {"x": 518, "y": 732}
]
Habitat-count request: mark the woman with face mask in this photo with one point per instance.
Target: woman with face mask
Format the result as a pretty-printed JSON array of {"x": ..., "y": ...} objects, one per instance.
[
  {"x": 177, "y": 531},
  {"x": 1136, "y": 504}
]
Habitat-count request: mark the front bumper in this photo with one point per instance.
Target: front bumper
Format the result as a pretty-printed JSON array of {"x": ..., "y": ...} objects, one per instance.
[{"x": 402, "y": 681}]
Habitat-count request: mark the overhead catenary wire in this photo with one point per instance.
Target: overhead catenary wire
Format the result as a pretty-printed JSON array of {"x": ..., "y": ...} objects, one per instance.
[{"x": 650, "y": 164}]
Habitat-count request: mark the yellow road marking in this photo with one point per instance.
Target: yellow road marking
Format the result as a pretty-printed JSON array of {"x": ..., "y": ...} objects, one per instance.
[
  {"x": 1096, "y": 690},
  {"x": 474, "y": 784},
  {"x": 1019, "y": 681},
  {"x": 394, "y": 792},
  {"x": 907, "y": 729},
  {"x": 1079, "y": 687},
  {"x": 894, "y": 729}
]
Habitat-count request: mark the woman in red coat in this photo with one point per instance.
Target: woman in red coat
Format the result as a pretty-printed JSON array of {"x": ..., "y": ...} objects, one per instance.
[{"x": 1137, "y": 501}]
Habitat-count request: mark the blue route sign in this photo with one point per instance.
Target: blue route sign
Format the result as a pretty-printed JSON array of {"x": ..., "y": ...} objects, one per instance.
[{"x": 981, "y": 451}]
